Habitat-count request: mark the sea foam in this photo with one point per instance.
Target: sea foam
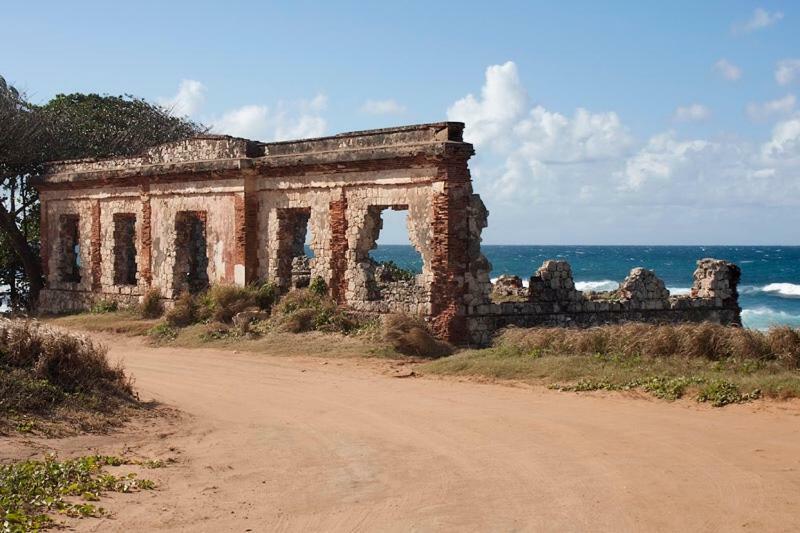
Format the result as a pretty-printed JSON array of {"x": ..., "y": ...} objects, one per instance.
[
  {"x": 763, "y": 317},
  {"x": 602, "y": 285},
  {"x": 786, "y": 290}
]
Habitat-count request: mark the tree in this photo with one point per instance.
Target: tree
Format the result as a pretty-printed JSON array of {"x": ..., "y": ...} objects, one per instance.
[{"x": 73, "y": 126}]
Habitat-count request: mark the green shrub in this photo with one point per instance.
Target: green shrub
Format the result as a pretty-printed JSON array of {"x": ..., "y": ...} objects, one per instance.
[
  {"x": 104, "y": 306},
  {"x": 411, "y": 336},
  {"x": 318, "y": 286},
  {"x": 720, "y": 392},
  {"x": 266, "y": 294},
  {"x": 163, "y": 332},
  {"x": 151, "y": 305},
  {"x": 303, "y": 310},
  {"x": 396, "y": 272}
]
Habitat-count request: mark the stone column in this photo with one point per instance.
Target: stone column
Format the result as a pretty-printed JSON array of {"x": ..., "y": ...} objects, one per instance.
[
  {"x": 240, "y": 239},
  {"x": 145, "y": 237},
  {"x": 338, "y": 260},
  {"x": 96, "y": 267},
  {"x": 450, "y": 244},
  {"x": 251, "y": 229}
]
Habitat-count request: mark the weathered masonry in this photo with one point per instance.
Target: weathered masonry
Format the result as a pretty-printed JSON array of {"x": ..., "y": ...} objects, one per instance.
[{"x": 219, "y": 209}]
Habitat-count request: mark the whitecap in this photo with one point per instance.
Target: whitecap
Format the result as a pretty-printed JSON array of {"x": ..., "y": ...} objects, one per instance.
[
  {"x": 785, "y": 290},
  {"x": 763, "y": 317},
  {"x": 602, "y": 285},
  {"x": 678, "y": 291}
]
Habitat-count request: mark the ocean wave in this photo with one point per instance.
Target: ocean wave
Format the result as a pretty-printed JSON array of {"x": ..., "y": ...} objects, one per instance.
[
  {"x": 786, "y": 290},
  {"x": 763, "y": 317},
  {"x": 524, "y": 281},
  {"x": 602, "y": 285},
  {"x": 678, "y": 291}
]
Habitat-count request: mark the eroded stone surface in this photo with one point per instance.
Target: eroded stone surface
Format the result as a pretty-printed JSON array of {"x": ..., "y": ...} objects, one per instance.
[{"x": 218, "y": 209}]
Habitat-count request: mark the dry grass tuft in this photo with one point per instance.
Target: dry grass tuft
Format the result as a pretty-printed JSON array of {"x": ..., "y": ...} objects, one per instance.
[
  {"x": 43, "y": 368},
  {"x": 707, "y": 341},
  {"x": 151, "y": 305},
  {"x": 717, "y": 364},
  {"x": 411, "y": 336},
  {"x": 183, "y": 312}
]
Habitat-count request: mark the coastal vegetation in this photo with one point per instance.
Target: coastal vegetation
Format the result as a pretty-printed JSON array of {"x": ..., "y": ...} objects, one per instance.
[
  {"x": 32, "y": 491},
  {"x": 53, "y": 381},
  {"x": 712, "y": 363},
  {"x": 708, "y": 362}
]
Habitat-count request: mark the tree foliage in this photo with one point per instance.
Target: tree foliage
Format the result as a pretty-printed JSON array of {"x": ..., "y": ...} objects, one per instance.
[{"x": 72, "y": 126}]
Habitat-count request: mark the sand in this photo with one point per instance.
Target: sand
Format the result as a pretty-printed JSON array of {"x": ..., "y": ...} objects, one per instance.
[{"x": 306, "y": 444}]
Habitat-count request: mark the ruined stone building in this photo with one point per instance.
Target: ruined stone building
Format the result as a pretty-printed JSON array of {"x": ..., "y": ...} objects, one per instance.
[{"x": 218, "y": 209}]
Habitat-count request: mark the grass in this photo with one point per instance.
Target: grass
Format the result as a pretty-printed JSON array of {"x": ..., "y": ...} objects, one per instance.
[
  {"x": 49, "y": 375},
  {"x": 124, "y": 322},
  {"x": 32, "y": 491},
  {"x": 714, "y": 364}
]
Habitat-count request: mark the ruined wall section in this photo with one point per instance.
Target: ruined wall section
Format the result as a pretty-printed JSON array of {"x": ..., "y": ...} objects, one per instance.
[
  {"x": 218, "y": 201},
  {"x": 155, "y": 207},
  {"x": 554, "y": 301},
  {"x": 201, "y": 148},
  {"x": 343, "y": 228}
]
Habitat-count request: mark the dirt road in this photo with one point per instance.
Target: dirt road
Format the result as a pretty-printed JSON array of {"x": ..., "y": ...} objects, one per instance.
[{"x": 276, "y": 444}]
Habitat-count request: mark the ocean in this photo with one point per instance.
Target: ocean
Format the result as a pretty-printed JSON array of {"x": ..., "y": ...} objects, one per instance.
[{"x": 769, "y": 291}]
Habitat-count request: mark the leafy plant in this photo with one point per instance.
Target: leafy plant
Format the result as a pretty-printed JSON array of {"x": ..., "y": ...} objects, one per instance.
[
  {"x": 30, "y": 490},
  {"x": 318, "y": 286},
  {"x": 104, "y": 306},
  {"x": 720, "y": 392}
]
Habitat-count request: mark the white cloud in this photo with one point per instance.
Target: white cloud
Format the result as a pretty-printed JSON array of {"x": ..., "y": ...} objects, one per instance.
[
  {"x": 250, "y": 121},
  {"x": 760, "y": 19},
  {"x": 784, "y": 146},
  {"x": 692, "y": 112},
  {"x": 286, "y": 120},
  {"x": 566, "y": 165},
  {"x": 188, "y": 100},
  {"x": 503, "y": 100},
  {"x": 382, "y": 107},
  {"x": 787, "y": 71},
  {"x": 765, "y": 110},
  {"x": 727, "y": 70},
  {"x": 296, "y": 120}
]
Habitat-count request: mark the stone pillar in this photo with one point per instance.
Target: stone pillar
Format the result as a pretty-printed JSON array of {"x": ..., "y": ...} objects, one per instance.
[
  {"x": 145, "y": 237},
  {"x": 717, "y": 279},
  {"x": 450, "y": 245},
  {"x": 338, "y": 264},
  {"x": 251, "y": 229},
  {"x": 240, "y": 239},
  {"x": 96, "y": 267}
]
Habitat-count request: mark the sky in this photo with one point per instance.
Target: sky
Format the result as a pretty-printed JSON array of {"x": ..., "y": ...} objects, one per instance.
[{"x": 593, "y": 122}]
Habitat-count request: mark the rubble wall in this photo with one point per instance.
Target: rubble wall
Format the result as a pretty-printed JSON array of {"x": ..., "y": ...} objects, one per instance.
[{"x": 552, "y": 300}]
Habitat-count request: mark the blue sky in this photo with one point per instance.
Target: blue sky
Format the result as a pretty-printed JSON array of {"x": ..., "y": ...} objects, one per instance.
[{"x": 594, "y": 123}]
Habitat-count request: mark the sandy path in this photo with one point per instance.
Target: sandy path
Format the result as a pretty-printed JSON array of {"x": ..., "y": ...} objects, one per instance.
[{"x": 278, "y": 444}]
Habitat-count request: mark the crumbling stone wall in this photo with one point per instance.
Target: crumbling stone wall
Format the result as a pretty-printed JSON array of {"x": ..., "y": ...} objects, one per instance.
[
  {"x": 642, "y": 297},
  {"x": 255, "y": 204}
]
